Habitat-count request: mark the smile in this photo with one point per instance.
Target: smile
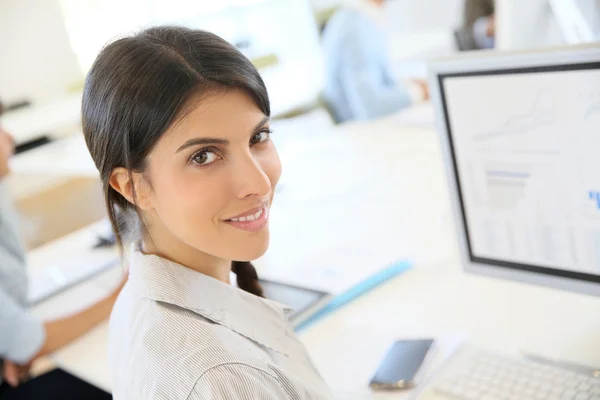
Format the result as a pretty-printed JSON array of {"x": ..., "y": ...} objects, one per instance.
[
  {"x": 253, "y": 221},
  {"x": 250, "y": 217}
]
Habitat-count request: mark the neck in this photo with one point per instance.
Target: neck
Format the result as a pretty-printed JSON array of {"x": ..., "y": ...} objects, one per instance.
[{"x": 165, "y": 245}]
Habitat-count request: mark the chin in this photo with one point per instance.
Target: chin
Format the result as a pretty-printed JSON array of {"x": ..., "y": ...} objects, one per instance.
[{"x": 251, "y": 249}]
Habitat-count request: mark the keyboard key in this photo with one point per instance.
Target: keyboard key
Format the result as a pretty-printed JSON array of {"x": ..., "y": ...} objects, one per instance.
[{"x": 489, "y": 377}]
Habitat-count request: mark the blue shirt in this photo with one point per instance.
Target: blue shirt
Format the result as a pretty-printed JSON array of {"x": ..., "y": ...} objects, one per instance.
[
  {"x": 359, "y": 83},
  {"x": 21, "y": 335}
]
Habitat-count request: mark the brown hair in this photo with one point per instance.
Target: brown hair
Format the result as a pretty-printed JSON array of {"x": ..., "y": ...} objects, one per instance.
[{"x": 138, "y": 86}]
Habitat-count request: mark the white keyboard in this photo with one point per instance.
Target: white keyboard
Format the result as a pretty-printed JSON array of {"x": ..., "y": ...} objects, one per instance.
[{"x": 479, "y": 375}]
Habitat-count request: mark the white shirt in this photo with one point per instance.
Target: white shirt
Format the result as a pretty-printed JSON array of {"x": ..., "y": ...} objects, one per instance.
[{"x": 178, "y": 334}]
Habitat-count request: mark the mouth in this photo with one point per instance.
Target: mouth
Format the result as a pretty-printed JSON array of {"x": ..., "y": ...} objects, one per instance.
[{"x": 252, "y": 221}]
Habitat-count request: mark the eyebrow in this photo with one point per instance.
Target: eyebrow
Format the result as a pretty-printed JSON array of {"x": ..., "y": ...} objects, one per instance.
[{"x": 208, "y": 140}]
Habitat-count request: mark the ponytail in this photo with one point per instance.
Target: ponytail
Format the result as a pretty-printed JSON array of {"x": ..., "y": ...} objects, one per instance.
[{"x": 247, "y": 278}]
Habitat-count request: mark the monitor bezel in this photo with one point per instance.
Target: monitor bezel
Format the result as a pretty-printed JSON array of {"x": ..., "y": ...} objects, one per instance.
[{"x": 494, "y": 63}]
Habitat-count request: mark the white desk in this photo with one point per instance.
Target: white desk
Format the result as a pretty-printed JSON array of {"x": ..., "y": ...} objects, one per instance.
[
  {"x": 394, "y": 206},
  {"x": 56, "y": 119}
]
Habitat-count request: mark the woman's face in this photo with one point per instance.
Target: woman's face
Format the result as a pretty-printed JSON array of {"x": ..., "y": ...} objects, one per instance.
[{"x": 211, "y": 177}]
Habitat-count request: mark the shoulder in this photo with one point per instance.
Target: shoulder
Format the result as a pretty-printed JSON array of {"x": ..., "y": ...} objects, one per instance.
[
  {"x": 158, "y": 348},
  {"x": 346, "y": 22},
  {"x": 239, "y": 380}
]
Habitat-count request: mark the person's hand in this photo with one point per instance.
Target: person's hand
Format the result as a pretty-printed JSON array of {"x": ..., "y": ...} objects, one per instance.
[
  {"x": 490, "y": 29},
  {"x": 422, "y": 84},
  {"x": 14, "y": 374},
  {"x": 7, "y": 148}
]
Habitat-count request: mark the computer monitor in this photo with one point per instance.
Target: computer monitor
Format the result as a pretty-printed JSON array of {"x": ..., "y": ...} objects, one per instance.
[{"x": 521, "y": 140}]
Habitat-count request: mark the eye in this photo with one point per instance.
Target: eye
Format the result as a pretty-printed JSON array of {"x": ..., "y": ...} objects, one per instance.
[
  {"x": 204, "y": 157},
  {"x": 260, "y": 137}
]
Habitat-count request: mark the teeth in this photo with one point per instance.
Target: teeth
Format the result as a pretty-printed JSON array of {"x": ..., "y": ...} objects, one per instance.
[{"x": 251, "y": 217}]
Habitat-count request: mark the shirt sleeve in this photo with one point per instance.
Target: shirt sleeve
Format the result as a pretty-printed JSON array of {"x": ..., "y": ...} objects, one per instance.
[
  {"x": 482, "y": 40},
  {"x": 363, "y": 77},
  {"x": 21, "y": 334},
  {"x": 10, "y": 238},
  {"x": 237, "y": 382}
]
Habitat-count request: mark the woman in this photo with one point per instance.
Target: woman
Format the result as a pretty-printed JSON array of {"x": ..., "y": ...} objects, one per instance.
[
  {"x": 23, "y": 337},
  {"x": 177, "y": 122}
]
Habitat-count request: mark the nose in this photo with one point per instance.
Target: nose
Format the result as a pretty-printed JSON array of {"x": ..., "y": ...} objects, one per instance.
[{"x": 250, "y": 179}]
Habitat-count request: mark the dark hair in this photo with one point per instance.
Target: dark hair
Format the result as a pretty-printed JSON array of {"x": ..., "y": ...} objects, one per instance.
[{"x": 137, "y": 88}]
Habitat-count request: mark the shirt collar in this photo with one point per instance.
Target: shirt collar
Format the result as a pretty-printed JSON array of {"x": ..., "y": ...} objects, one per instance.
[{"x": 255, "y": 318}]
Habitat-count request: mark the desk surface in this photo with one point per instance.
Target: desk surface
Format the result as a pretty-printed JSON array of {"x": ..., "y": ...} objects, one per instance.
[
  {"x": 399, "y": 206},
  {"x": 55, "y": 119}
]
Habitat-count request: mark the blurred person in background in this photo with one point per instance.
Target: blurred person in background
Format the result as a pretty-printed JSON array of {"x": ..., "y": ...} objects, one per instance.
[
  {"x": 359, "y": 78},
  {"x": 23, "y": 337},
  {"x": 479, "y": 27}
]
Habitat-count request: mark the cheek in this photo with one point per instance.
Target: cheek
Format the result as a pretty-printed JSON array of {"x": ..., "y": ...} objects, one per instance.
[
  {"x": 189, "y": 199},
  {"x": 271, "y": 165}
]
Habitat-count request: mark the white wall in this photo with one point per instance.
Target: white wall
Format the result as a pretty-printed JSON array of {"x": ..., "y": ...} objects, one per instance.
[
  {"x": 425, "y": 15},
  {"x": 36, "y": 60},
  {"x": 415, "y": 15}
]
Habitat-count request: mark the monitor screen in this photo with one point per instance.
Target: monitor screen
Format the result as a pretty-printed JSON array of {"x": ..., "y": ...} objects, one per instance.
[{"x": 525, "y": 146}]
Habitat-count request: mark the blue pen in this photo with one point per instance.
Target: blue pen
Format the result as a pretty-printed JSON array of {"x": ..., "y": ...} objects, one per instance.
[{"x": 358, "y": 290}]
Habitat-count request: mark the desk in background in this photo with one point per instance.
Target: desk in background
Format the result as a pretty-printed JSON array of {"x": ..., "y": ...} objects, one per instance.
[
  {"x": 394, "y": 205},
  {"x": 57, "y": 119}
]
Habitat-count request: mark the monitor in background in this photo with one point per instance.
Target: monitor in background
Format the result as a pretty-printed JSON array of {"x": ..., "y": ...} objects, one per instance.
[
  {"x": 521, "y": 136},
  {"x": 542, "y": 23}
]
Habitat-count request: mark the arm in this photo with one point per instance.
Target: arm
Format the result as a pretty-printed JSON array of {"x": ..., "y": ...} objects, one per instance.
[
  {"x": 23, "y": 338},
  {"x": 10, "y": 240},
  {"x": 483, "y": 32},
  {"x": 238, "y": 382},
  {"x": 8, "y": 217},
  {"x": 63, "y": 331},
  {"x": 21, "y": 335},
  {"x": 370, "y": 91}
]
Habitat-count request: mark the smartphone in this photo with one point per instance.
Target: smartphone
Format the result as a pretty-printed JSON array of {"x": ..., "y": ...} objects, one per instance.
[{"x": 401, "y": 366}]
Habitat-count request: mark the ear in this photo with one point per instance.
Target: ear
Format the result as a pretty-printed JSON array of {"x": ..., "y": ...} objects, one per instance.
[{"x": 132, "y": 187}]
